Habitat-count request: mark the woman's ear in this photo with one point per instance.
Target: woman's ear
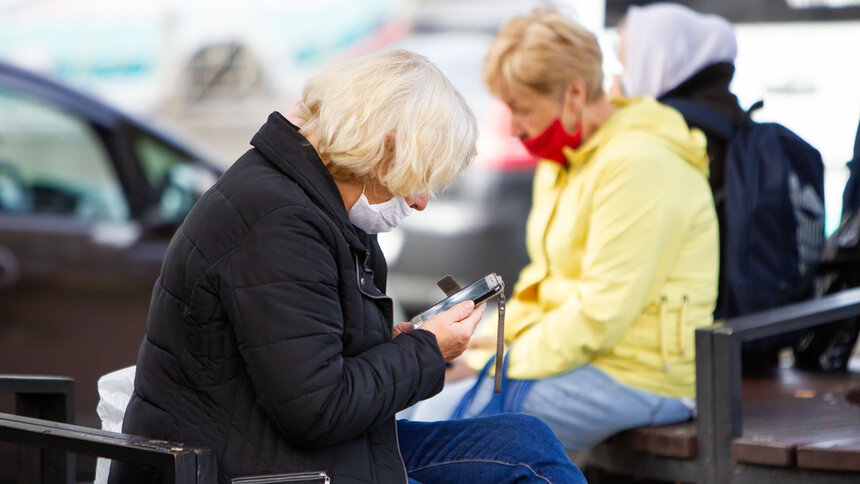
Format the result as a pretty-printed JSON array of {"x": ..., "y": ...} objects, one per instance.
[
  {"x": 389, "y": 141},
  {"x": 388, "y": 148},
  {"x": 574, "y": 105},
  {"x": 575, "y": 95}
]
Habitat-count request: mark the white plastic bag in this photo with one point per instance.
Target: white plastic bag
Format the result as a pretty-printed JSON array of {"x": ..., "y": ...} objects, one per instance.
[{"x": 115, "y": 391}]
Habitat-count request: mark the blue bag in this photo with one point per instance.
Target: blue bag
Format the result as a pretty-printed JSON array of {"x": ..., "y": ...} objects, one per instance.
[{"x": 772, "y": 212}]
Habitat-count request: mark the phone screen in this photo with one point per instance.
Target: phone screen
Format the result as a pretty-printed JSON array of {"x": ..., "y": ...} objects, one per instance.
[{"x": 479, "y": 291}]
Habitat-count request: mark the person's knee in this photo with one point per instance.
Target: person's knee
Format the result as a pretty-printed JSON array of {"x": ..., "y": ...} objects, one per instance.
[{"x": 526, "y": 425}]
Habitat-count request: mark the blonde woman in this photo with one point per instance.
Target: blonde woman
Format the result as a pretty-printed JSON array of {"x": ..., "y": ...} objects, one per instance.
[
  {"x": 270, "y": 338},
  {"x": 622, "y": 238}
]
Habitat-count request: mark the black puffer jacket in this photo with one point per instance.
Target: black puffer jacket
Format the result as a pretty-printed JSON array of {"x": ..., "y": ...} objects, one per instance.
[{"x": 269, "y": 335}]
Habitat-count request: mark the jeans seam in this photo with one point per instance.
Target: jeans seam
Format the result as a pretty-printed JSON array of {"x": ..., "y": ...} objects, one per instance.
[{"x": 492, "y": 461}]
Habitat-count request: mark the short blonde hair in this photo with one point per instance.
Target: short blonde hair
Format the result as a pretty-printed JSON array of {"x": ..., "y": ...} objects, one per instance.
[
  {"x": 544, "y": 52},
  {"x": 390, "y": 115}
]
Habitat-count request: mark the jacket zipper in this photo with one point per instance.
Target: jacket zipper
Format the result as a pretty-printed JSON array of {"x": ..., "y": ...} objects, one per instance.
[
  {"x": 397, "y": 442},
  {"x": 549, "y": 221},
  {"x": 396, "y": 434}
]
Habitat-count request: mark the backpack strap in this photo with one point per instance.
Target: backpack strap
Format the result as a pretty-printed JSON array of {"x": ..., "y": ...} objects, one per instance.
[{"x": 704, "y": 116}]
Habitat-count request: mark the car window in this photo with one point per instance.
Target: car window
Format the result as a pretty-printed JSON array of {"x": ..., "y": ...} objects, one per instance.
[
  {"x": 177, "y": 177},
  {"x": 53, "y": 163}
]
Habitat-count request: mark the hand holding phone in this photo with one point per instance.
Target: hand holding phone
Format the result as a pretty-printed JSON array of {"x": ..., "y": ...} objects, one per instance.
[
  {"x": 454, "y": 328},
  {"x": 479, "y": 291}
]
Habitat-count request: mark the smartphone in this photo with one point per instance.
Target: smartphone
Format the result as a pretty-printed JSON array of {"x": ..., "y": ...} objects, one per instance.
[
  {"x": 479, "y": 291},
  {"x": 315, "y": 477}
]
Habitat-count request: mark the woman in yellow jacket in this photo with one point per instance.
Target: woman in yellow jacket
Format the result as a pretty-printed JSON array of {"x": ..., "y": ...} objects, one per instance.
[{"x": 622, "y": 238}]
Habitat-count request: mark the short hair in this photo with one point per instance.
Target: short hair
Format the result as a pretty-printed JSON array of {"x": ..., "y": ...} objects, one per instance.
[
  {"x": 544, "y": 52},
  {"x": 390, "y": 115}
]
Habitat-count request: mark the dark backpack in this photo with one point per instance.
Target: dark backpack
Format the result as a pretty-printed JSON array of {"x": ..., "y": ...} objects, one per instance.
[{"x": 771, "y": 209}]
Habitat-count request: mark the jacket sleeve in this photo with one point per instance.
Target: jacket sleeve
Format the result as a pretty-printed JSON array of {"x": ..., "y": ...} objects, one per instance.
[
  {"x": 280, "y": 291},
  {"x": 632, "y": 230}
]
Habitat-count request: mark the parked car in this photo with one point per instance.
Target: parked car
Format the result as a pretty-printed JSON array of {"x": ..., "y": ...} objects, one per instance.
[
  {"x": 217, "y": 69},
  {"x": 89, "y": 199}
]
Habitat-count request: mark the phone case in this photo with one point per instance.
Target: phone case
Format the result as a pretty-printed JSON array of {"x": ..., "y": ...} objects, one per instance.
[
  {"x": 479, "y": 291},
  {"x": 315, "y": 477}
]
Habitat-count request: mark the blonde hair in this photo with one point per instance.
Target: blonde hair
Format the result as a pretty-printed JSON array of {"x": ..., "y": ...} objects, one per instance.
[
  {"x": 390, "y": 115},
  {"x": 544, "y": 52}
]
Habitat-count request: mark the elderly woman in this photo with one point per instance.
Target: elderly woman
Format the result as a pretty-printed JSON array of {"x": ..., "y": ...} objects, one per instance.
[
  {"x": 270, "y": 338},
  {"x": 622, "y": 238}
]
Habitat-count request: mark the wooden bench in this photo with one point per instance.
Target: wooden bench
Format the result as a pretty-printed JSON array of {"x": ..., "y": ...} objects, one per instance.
[
  {"x": 47, "y": 446},
  {"x": 804, "y": 420},
  {"x": 786, "y": 426}
]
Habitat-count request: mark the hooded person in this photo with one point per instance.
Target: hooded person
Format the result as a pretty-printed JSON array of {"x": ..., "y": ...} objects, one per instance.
[
  {"x": 622, "y": 238},
  {"x": 670, "y": 51}
]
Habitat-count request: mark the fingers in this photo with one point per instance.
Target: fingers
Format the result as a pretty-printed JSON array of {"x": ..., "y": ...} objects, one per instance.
[
  {"x": 472, "y": 320},
  {"x": 463, "y": 310},
  {"x": 454, "y": 327},
  {"x": 400, "y": 328}
]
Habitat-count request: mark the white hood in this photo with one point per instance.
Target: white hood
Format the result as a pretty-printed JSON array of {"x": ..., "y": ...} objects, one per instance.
[{"x": 667, "y": 43}]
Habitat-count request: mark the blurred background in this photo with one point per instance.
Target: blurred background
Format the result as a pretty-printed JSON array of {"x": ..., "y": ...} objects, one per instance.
[{"x": 116, "y": 116}]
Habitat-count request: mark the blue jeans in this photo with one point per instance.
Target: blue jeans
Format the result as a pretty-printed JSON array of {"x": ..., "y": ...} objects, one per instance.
[
  {"x": 585, "y": 406},
  {"x": 506, "y": 448}
]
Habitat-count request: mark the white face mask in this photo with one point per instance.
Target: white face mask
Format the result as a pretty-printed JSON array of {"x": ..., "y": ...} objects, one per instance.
[{"x": 379, "y": 217}]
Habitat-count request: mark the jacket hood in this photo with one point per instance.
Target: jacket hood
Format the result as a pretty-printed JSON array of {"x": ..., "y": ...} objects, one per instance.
[
  {"x": 646, "y": 114},
  {"x": 667, "y": 43}
]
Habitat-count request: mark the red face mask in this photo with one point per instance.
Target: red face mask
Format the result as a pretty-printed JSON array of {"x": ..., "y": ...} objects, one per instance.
[{"x": 548, "y": 144}]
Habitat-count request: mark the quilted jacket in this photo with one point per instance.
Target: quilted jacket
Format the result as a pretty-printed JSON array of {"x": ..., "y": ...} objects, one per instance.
[{"x": 269, "y": 332}]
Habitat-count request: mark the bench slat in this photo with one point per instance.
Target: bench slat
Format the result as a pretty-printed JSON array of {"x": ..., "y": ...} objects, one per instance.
[
  {"x": 783, "y": 411},
  {"x": 780, "y": 448},
  {"x": 677, "y": 440},
  {"x": 788, "y": 409},
  {"x": 837, "y": 454},
  {"x": 793, "y": 400},
  {"x": 764, "y": 451}
]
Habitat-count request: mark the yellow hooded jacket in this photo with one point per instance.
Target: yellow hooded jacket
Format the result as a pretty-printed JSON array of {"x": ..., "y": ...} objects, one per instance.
[{"x": 624, "y": 257}]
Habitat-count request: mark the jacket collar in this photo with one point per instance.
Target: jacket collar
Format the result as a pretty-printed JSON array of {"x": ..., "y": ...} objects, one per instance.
[{"x": 281, "y": 144}]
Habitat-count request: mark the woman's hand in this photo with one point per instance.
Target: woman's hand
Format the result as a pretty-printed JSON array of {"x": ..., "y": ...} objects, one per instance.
[
  {"x": 400, "y": 328},
  {"x": 454, "y": 327}
]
